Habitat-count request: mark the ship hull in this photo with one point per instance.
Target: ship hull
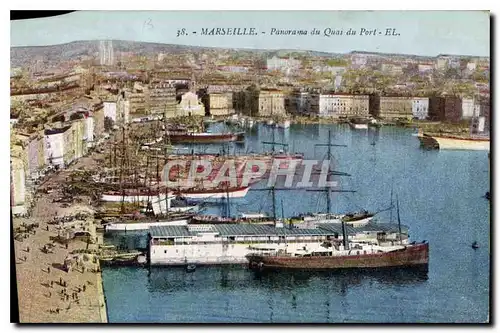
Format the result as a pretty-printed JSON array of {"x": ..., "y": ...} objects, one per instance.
[
  {"x": 446, "y": 143},
  {"x": 218, "y": 194},
  {"x": 133, "y": 226},
  {"x": 188, "y": 194},
  {"x": 204, "y": 138},
  {"x": 116, "y": 197},
  {"x": 412, "y": 255},
  {"x": 358, "y": 126}
]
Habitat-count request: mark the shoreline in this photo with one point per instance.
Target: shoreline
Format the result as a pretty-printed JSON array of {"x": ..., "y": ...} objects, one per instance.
[
  {"x": 103, "y": 312},
  {"x": 427, "y": 125}
]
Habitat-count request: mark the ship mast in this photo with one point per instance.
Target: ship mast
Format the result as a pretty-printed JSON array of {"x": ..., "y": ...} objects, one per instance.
[
  {"x": 399, "y": 223},
  {"x": 228, "y": 210},
  {"x": 390, "y": 218},
  {"x": 273, "y": 194},
  {"x": 283, "y": 221},
  {"x": 166, "y": 142},
  {"x": 122, "y": 190},
  {"x": 328, "y": 190},
  {"x": 273, "y": 143}
]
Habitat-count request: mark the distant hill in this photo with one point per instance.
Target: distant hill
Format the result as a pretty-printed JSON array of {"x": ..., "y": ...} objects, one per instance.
[
  {"x": 23, "y": 55},
  {"x": 73, "y": 50}
]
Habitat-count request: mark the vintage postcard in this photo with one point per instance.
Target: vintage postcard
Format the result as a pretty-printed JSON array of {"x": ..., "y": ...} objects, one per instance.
[{"x": 251, "y": 167}]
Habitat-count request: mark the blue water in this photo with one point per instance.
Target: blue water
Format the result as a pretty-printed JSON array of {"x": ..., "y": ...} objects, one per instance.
[{"x": 441, "y": 200}]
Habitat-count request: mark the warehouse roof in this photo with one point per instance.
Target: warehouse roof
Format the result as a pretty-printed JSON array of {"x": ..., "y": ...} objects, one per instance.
[{"x": 247, "y": 229}]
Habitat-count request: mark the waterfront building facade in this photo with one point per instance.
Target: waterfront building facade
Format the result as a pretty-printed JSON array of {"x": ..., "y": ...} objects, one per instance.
[
  {"x": 36, "y": 161},
  {"x": 190, "y": 105},
  {"x": 484, "y": 111},
  {"x": 17, "y": 186},
  {"x": 110, "y": 110},
  {"x": 220, "y": 104},
  {"x": 271, "y": 102},
  {"x": 339, "y": 105},
  {"x": 470, "y": 108},
  {"x": 122, "y": 109},
  {"x": 264, "y": 102},
  {"x": 98, "y": 115},
  {"x": 57, "y": 142},
  {"x": 160, "y": 98},
  {"x": 89, "y": 131},
  {"x": 455, "y": 109},
  {"x": 299, "y": 101},
  {"x": 391, "y": 107},
  {"x": 420, "y": 107},
  {"x": 79, "y": 137}
]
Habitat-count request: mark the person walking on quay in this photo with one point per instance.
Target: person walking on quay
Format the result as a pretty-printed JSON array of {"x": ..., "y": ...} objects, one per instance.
[
  {"x": 60, "y": 281},
  {"x": 47, "y": 227},
  {"x": 84, "y": 288},
  {"x": 51, "y": 284}
]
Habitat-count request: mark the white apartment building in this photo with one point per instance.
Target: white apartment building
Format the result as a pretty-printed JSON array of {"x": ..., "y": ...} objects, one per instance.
[
  {"x": 468, "y": 108},
  {"x": 110, "y": 110},
  {"x": 55, "y": 146},
  {"x": 339, "y": 105},
  {"x": 106, "y": 54},
  {"x": 420, "y": 107},
  {"x": 282, "y": 64}
]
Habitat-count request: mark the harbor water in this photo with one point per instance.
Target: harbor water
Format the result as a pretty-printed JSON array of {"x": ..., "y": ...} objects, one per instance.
[{"x": 441, "y": 196}]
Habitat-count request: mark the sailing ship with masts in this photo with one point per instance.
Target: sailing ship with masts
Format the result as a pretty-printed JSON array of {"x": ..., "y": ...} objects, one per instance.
[{"x": 356, "y": 219}]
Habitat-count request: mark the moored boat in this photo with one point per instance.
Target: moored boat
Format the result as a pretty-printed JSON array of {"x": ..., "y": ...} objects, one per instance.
[
  {"x": 283, "y": 124},
  {"x": 454, "y": 142},
  {"x": 193, "y": 193},
  {"x": 214, "y": 193},
  {"x": 243, "y": 218},
  {"x": 358, "y": 123},
  {"x": 192, "y": 137},
  {"x": 144, "y": 225},
  {"x": 335, "y": 254},
  {"x": 367, "y": 256}
]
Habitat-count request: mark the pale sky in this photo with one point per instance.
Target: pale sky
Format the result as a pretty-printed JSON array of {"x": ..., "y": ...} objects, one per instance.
[{"x": 421, "y": 32}]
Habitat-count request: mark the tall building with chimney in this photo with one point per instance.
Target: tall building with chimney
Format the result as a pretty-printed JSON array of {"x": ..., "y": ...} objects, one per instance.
[{"x": 106, "y": 54}]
